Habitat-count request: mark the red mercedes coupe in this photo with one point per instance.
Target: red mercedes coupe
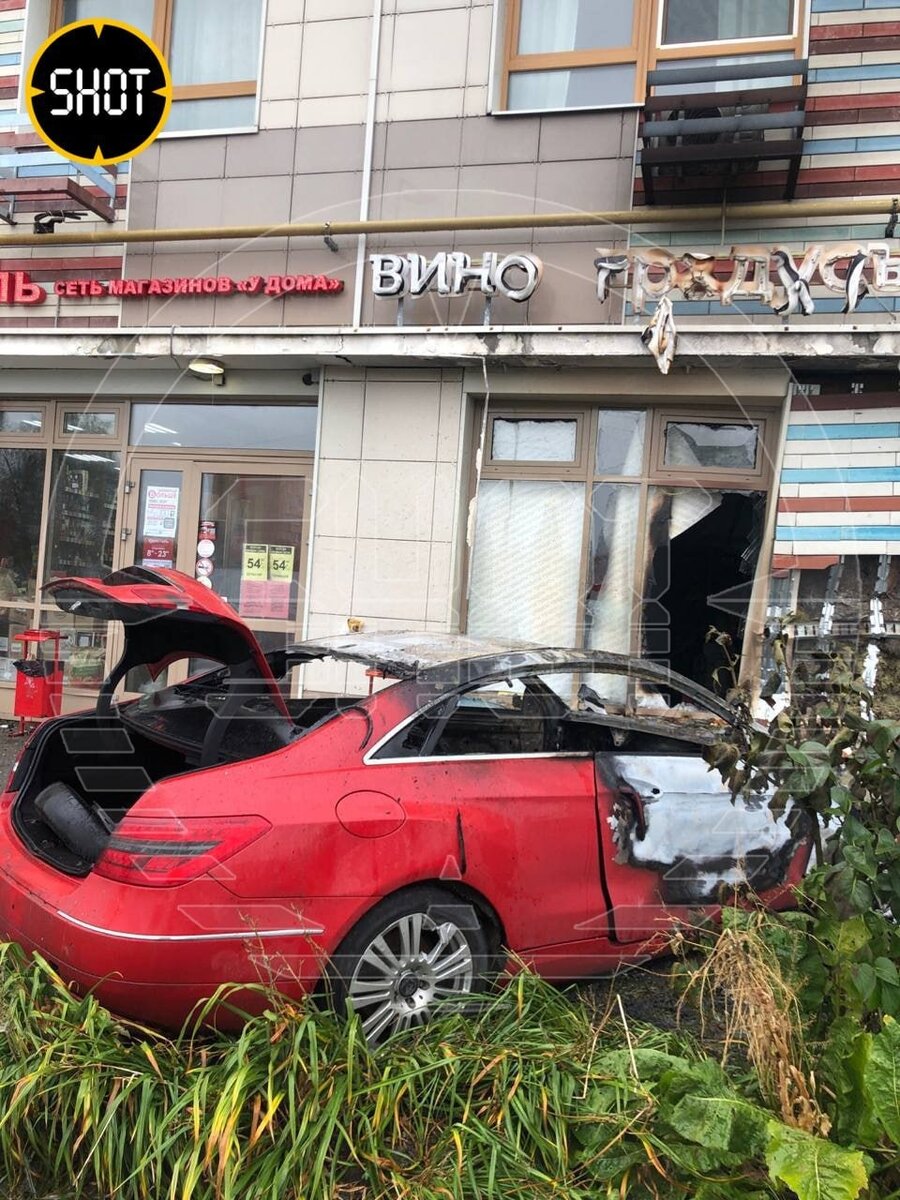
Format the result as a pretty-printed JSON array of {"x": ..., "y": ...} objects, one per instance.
[{"x": 392, "y": 849}]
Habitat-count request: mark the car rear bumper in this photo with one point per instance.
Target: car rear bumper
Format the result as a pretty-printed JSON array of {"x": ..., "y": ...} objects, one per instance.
[{"x": 153, "y": 954}]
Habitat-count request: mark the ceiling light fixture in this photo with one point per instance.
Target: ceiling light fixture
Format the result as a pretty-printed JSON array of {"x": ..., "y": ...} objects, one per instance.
[{"x": 210, "y": 369}]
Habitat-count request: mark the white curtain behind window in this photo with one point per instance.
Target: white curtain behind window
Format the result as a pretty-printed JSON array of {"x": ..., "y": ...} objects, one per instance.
[
  {"x": 544, "y": 28},
  {"x": 133, "y": 12},
  {"x": 722, "y": 20},
  {"x": 215, "y": 43},
  {"x": 526, "y": 561}
]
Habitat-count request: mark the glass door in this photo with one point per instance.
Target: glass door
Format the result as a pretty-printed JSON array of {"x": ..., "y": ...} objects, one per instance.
[
  {"x": 239, "y": 528},
  {"x": 159, "y": 512},
  {"x": 157, "y": 499},
  {"x": 251, "y": 544}
]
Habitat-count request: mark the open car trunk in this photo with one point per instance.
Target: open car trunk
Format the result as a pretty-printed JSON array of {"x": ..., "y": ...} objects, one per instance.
[{"x": 80, "y": 775}]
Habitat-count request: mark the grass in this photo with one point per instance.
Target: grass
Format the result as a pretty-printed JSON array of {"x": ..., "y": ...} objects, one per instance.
[
  {"x": 741, "y": 981},
  {"x": 532, "y": 1096}
]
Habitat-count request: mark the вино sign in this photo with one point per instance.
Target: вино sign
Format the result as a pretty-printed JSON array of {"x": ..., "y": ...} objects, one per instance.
[{"x": 450, "y": 273}]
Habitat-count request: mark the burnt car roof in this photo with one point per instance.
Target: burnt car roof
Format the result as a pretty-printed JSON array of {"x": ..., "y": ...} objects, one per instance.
[
  {"x": 459, "y": 660},
  {"x": 407, "y": 655}
]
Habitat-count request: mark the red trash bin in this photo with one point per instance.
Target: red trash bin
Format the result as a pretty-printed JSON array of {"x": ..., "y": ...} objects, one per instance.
[{"x": 38, "y": 678}]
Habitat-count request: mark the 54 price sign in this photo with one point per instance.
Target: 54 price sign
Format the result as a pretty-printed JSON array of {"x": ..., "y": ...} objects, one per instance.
[
  {"x": 281, "y": 563},
  {"x": 255, "y": 563}
]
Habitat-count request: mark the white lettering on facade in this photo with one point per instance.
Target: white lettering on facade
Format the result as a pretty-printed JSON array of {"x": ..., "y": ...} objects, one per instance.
[
  {"x": 451, "y": 273},
  {"x": 775, "y": 276}
]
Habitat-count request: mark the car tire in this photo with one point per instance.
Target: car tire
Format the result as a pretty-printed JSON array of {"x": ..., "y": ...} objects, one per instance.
[
  {"x": 410, "y": 956},
  {"x": 80, "y": 827}
]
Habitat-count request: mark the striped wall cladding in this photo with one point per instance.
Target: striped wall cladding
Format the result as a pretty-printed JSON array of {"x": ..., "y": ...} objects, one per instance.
[
  {"x": 852, "y": 129},
  {"x": 840, "y": 480},
  {"x": 23, "y": 157},
  {"x": 852, "y": 139}
]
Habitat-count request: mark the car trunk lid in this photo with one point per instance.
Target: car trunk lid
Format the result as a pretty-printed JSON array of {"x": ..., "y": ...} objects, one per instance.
[{"x": 167, "y": 616}]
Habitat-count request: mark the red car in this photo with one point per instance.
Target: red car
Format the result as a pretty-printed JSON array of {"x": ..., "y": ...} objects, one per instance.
[{"x": 552, "y": 803}]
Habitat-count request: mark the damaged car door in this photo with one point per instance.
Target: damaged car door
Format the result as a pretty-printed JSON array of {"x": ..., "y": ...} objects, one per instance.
[{"x": 675, "y": 840}]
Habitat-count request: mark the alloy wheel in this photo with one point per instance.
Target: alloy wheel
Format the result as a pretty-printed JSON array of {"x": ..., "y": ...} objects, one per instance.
[{"x": 407, "y": 971}]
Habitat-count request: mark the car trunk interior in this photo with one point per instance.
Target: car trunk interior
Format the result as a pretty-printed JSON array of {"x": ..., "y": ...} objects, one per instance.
[
  {"x": 82, "y": 774},
  {"x": 92, "y": 770}
]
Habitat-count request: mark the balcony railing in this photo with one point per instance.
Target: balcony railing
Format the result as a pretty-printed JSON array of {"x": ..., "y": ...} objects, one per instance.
[
  {"x": 35, "y": 179},
  {"x": 736, "y": 142}
]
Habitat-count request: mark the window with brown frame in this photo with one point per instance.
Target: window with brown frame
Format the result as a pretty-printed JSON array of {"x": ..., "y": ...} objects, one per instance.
[
  {"x": 628, "y": 529},
  {"x": 212, "y": 51},
  {"x": 593, "y": 54}
]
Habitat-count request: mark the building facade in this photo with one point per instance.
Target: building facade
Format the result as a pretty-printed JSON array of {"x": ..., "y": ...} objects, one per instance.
[{"x": 603, "y": 434}]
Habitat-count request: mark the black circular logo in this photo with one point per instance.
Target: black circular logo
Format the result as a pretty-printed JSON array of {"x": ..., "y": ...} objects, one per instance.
[{"x": 98, "y": 91}]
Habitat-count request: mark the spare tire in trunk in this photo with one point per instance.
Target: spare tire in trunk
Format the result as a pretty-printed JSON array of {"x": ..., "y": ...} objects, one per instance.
[{"x": 80, "y": 826}]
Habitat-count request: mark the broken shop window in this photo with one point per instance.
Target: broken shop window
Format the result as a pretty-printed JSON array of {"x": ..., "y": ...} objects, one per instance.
[
  {"x": 612, "y": 608},
  {"x": 852, "y": 607},
  {"x": 692, "y": 444},
  {"x": 701, "y": 555}
]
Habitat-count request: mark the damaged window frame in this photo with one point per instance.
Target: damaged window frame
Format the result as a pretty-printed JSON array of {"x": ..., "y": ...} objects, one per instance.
[
  {"x": 546, "y": 468},
  {"x": 735, "y": 476},
  {"x": 653, "y": 472}
]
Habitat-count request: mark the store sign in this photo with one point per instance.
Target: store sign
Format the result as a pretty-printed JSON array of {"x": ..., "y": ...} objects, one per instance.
[
  {"x": 16, "y": 287},
  {"x": 450, "y": 273},
  {"x": 850, "y": 269},
  {"x": 212, "y": 285}
]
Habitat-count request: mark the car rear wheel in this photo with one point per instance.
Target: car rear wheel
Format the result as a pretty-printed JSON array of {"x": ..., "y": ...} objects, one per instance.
[{"x": 412, "y": 955}]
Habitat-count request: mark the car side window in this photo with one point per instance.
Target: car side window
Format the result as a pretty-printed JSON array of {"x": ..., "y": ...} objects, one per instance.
[
  {"x": 638, "y": 716},
  {"x": 517, "y": 716}
]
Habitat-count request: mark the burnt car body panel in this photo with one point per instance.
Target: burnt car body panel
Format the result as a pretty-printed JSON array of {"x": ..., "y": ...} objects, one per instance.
[{"x": 570, "y": 825}]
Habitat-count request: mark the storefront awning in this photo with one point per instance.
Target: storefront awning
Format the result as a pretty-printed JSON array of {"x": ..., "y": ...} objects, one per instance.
[{"x": 575, "y": 346}]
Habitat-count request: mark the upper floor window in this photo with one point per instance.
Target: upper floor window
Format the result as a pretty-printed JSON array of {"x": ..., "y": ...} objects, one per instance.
[
  {"x": 212, "y": 51},
  {"x": 691, "y": 21},
  {"x": 595, "y": 54},
  {"x": 572, "y": 54}
]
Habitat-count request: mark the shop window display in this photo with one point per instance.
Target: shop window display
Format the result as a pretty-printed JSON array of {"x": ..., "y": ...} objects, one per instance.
[
  {"x": 21, "y": 500},
  {"x": 13, "y": 621},
  {"x": 80, "y": 538}
]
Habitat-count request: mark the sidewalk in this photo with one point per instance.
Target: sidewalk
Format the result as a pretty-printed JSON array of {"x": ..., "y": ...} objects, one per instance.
[{"x": 10, "y": 748}]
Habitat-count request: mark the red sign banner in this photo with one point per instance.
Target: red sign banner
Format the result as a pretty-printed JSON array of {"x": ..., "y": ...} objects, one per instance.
[
  {"x": 212, "y": 285},
  {"x": 16, "y": 288}
]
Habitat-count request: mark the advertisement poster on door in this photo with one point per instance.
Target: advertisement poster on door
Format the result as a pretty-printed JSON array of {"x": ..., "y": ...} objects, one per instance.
[
  {"x": 266, "y": 573},
  {"x": 160, "y": 526}
]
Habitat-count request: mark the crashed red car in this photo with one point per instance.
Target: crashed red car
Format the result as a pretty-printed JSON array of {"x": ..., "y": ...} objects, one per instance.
[{"x": 552, "y": 803}]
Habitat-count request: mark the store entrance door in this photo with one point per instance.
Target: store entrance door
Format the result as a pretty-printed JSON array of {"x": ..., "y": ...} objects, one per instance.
[{"x": 240, "y": 527}]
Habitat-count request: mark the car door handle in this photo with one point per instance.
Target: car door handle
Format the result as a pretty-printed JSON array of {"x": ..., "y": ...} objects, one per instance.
[{"x": 635, "y": 802}]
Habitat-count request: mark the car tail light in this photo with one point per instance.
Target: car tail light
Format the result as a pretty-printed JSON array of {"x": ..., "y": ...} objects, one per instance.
[{"x": 163, "y": 851}]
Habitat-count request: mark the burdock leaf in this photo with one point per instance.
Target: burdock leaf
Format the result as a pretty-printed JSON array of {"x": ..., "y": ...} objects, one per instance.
[
  {"x": 882, "y": 1075},
  {"x": 813, "y": 1168}
]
